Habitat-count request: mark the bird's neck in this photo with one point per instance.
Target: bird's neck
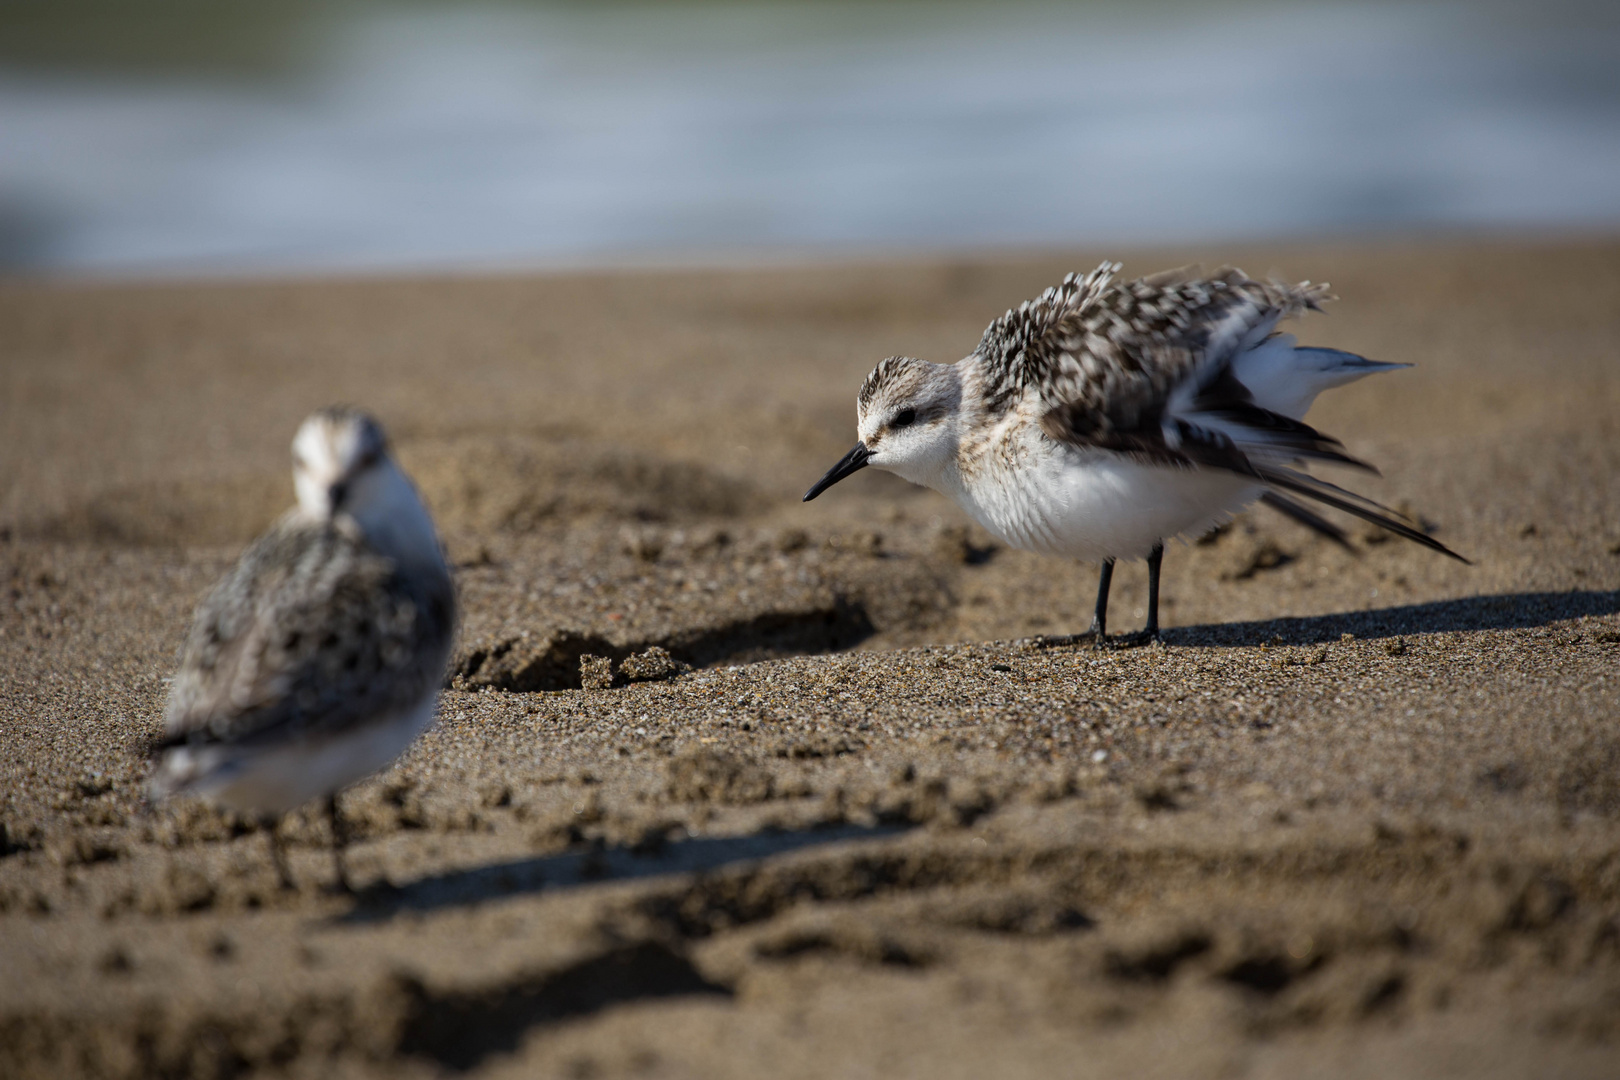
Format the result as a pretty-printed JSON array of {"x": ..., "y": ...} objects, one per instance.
[{"x": 396, "y": 524}]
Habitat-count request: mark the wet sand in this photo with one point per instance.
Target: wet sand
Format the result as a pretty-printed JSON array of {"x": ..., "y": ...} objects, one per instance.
[{"x": 1360, "y": 817}]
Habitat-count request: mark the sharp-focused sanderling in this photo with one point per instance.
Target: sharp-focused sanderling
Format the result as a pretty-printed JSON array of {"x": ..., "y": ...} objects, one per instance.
[
  {"x": 319, "y": 657},
  {"x": 1101, "y": 419}
]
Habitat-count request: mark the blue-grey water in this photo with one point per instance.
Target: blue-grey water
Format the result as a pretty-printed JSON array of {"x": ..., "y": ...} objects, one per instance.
[{"x": 475, "y": 135}]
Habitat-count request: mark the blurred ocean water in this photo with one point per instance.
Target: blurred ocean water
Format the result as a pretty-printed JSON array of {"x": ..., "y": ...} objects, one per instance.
[{"x": 438, "y": 135}]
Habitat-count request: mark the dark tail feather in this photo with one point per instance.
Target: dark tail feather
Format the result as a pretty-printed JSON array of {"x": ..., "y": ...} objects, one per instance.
[
  {"x": 1351, "y": 503},
  {"x": 1287, "y": 435},
  {"x": 1227, "y": 399},
  {"x": 1303, "y": 514}
]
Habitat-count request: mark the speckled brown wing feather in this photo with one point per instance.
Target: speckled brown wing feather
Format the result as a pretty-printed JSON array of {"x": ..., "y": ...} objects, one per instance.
[
  {"x": 1133, "y": 367},
  {"x": 310, "y": 633},
  {"x": 1103, "y": 358}
]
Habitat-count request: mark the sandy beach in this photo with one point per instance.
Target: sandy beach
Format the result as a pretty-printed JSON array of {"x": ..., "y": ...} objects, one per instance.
[{"x": 845, "y": 809}]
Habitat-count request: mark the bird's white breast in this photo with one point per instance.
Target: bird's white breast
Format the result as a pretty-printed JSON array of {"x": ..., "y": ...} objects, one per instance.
[
  {"x": 1095, "y": 505},
  {"x": 277, "y": 778}
]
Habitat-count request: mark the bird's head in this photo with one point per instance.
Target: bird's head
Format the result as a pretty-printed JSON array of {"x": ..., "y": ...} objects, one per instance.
[
  {"x": 906, "y": 418},
  {"x": 340, "y": 463}
]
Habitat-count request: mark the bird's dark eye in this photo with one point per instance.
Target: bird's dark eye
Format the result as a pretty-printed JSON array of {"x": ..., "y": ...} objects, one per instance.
[{"x": 904, "y": 418}]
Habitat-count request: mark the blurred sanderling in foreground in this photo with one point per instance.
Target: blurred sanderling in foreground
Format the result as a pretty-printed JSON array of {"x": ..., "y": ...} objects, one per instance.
[
  {"x": 1101, "y": 419},
  {"x": 318, "y": 659}
]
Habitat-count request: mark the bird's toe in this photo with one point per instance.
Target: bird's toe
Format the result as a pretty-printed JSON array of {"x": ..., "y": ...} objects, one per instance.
[{"x": 1138, "y": 639}]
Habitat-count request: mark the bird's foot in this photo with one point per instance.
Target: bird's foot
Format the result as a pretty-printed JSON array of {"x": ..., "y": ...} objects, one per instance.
[
  {"x": 1149, "y": 636},
  {"x": 339, "y": 885},
  {"x": 1054, "y": 641},
  {"x": 278, "y": 858}
]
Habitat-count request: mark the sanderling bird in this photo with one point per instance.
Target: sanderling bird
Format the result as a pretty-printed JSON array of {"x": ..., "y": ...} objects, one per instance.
[
  {"x": 319, "y": 657},
  {"x": 1103, "y": 418}
]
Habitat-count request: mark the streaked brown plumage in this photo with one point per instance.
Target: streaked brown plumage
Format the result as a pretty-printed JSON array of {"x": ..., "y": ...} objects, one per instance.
[{"x": 1104, "y": 417}]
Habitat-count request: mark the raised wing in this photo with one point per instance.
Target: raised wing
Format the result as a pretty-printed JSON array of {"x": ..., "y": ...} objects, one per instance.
[
  {"x": 310, "y": 633},
  {"x": 1106, "y": 358},
  {"x": 1145, "y": 368}
]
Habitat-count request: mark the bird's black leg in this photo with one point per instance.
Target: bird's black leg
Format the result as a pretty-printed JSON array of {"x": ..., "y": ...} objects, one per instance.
[
  {"x": 1155, "y": 557},
  {"x": 1150, "y": 633},
  {"x": 278, "y": 858},
  {"x": 340, "y": 839},
  {"x": 1099, "y": 620}
]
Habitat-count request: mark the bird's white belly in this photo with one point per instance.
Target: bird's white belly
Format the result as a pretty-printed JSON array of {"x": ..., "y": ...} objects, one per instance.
[
  {"x": 1102, "y": 506},
  {"x": 273, "y": 779}
]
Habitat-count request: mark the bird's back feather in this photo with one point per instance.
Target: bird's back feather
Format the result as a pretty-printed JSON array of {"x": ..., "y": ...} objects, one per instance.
[
  {"x": 311, "y": 633},
  {"x": 1179, "y": 370},
  {"x": 1106, "y": 358}
]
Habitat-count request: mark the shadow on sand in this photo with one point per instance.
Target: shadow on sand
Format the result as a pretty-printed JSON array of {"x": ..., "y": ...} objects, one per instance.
[
  {"x": 1508, "y": 611},
  {"x": 578, "y": 868},
  {"x": 460, "y": 1027}
]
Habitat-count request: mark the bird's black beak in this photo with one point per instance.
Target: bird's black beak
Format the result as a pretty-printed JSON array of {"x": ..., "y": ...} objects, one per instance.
[
  {"x": 338, "y": 492},
  {"x": 852, "y": 462}
]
